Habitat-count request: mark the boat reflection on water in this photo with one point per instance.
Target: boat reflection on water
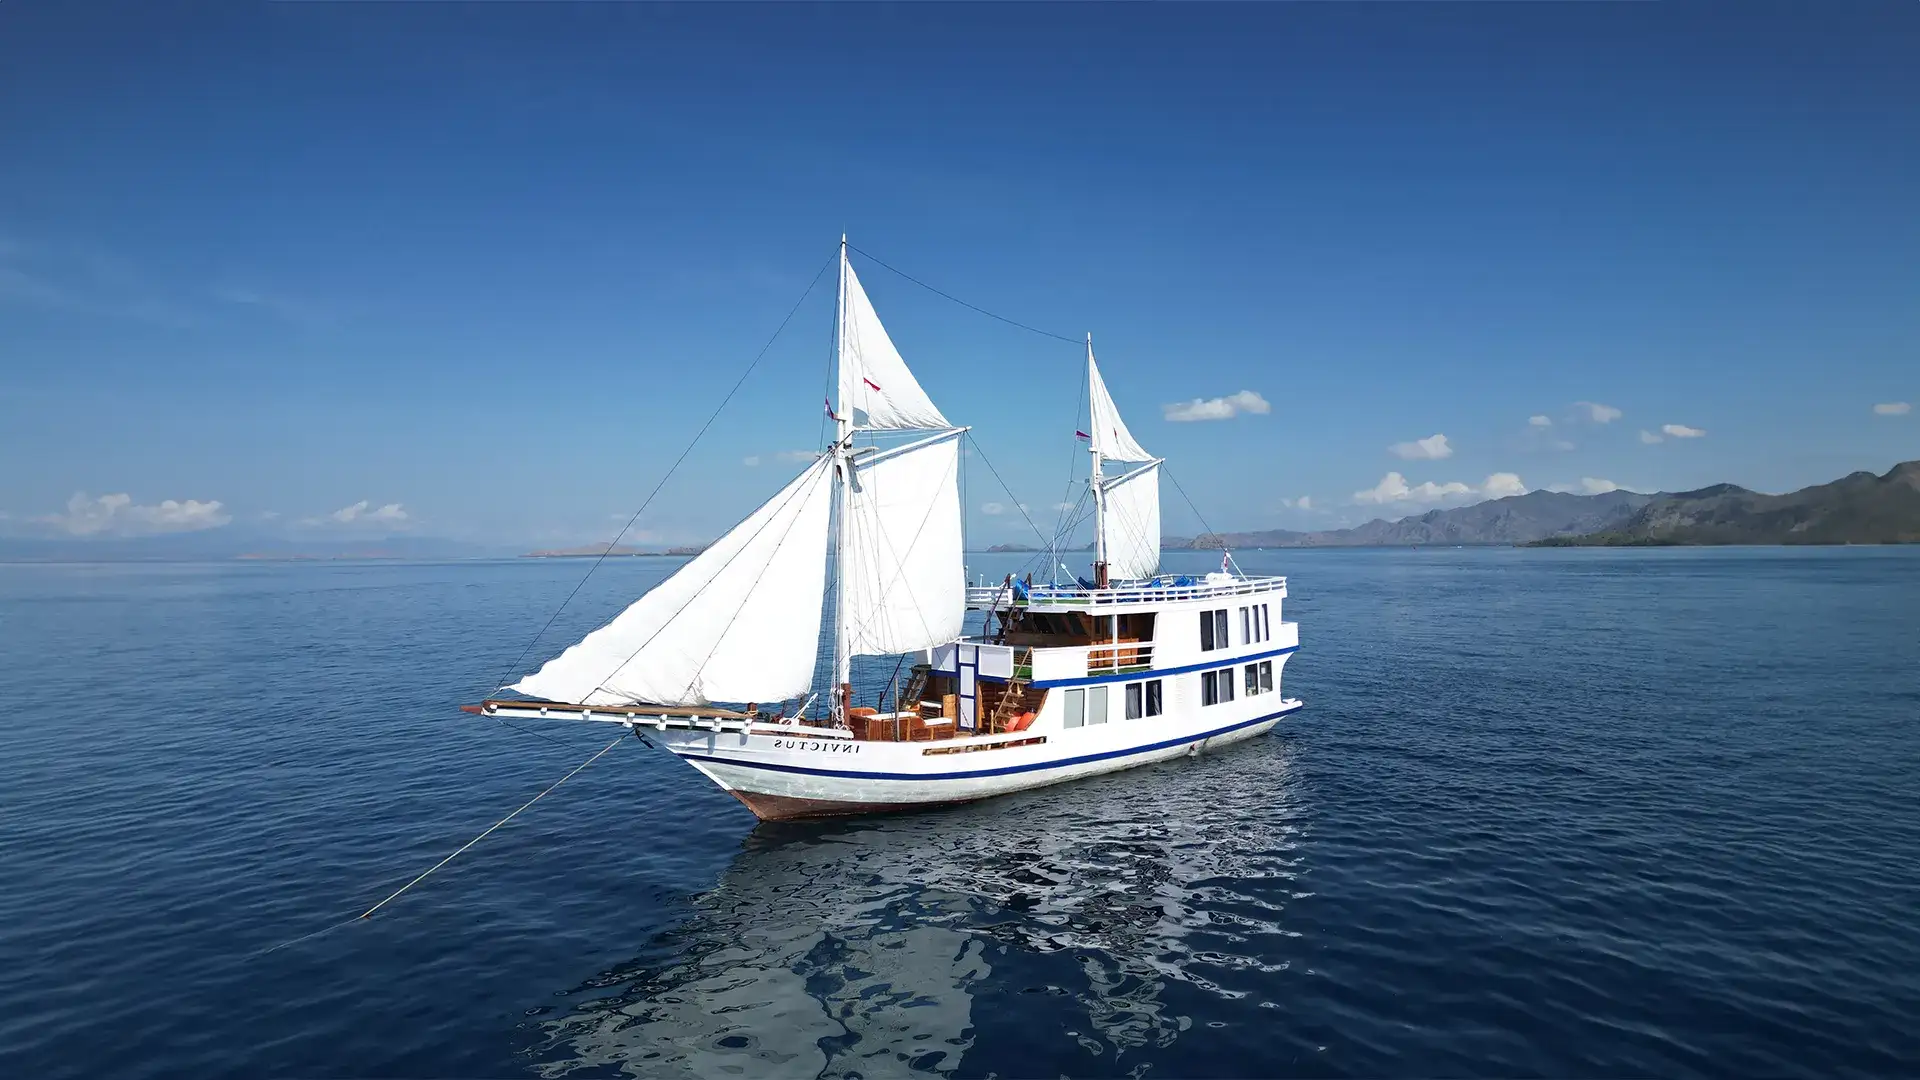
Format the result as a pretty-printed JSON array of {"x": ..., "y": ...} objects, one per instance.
[{"x": 869, "y": 946}]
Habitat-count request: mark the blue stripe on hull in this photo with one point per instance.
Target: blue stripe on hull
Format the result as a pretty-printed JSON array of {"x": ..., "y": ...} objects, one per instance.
[
  {"x": 1152, "y": 673},
  {"x": 971, "y": 773}
]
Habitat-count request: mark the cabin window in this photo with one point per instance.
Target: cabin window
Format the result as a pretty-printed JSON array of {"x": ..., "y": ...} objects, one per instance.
[
  {"x": 1253, "y": 624},
  {"x": 1216, "y": 687},
  {"x": 1075, "y": 702},
  {"x": 1259, "y": 678},
  {"x": 1096, "y": 705},
  {"x": 1266, "y": 676},
  {"x": 1213, "y": 630},
  {"x": 1143, "y": 699},
  {"x": 1253, "y": 679}
]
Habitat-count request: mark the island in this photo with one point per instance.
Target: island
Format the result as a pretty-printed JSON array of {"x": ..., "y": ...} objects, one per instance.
[
  {"x": 1859, "y": 508},
  {"x": 587, "y": 551}
]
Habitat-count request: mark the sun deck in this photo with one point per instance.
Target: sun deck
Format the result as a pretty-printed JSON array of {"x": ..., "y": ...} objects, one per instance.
[{"x": 1160, "y": 590}]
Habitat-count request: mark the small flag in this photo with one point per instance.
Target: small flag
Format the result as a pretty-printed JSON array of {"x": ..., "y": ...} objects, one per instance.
[
  {"x": 1082, "y": 435},
  {"x": 871, "y": 383},
  {"x": 1224, "y": 557},
  {"x": 829, "y": 403}
]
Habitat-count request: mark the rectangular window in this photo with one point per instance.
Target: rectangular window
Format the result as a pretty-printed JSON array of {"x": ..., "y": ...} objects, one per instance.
[
  {"x": 1153, "y": 698},
  {"x": 1220, "y": 628},
  {"x": 1076, "y": 706},
  {"x": 1253, "y": 679},
  {"x": 1266, "y": 625},
  {"x": 1246, "y": 627},
  {"x": 1206, "y": 631},
  {"x": 1096, "y": 705},
  {"x": 1226, "y": 684},
  {"x": 1134, "y": 696},
  {"x": 1209, "y": 689},
  {"x": 1266, "y": 676}
]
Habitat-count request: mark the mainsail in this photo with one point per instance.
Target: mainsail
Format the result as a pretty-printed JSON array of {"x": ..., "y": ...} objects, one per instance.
[
  {"x": 900, "y": 549},
  {"x": 1127, "y": 507},
  {"x": 877, "y": 392},
  {"x": 902, "y": 583},
  {"x": 741, "y": 622}
]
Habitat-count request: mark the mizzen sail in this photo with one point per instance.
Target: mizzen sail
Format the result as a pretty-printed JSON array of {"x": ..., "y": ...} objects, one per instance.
[
  {"x": 1111, "y": 439},
  {"x": 1131, "y": 520}
]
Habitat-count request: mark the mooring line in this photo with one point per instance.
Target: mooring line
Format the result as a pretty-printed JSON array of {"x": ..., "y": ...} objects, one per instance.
[{"x": 576, "y": 771}]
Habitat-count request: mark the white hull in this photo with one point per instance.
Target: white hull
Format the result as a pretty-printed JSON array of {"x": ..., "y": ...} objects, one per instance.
[{"x": 781, "y": 777}]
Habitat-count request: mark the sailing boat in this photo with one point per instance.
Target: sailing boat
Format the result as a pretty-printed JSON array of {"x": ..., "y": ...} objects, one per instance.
[{"x": 1063, "y": 681}]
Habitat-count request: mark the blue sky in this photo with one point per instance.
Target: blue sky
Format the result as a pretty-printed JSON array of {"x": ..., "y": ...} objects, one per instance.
[{"x": 480, "y": 271}]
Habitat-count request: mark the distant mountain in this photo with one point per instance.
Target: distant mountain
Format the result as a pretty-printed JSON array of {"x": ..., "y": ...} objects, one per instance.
[
  {"x": 223, "y": 544},
  {"x": 586, "y": 551},
  {"x": 1860, "y": 508},
  {"x": 1515, "y": 519},
  {"x": 1001, "y": 548}
]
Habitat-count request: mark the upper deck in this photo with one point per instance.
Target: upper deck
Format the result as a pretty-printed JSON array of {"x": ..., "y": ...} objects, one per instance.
[{"x": 1131, "y": 594}]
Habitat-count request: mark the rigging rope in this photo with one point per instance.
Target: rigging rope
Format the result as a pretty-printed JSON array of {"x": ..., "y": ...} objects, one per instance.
[
  {"x": 1203, "y": 518},
  {"x": 963, "y": 303},
  {"x": 1008, "y": 490},
  {"x": 715, "y": 415}
]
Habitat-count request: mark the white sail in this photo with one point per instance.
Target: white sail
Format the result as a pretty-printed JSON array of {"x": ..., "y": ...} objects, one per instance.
[
  {"x": 1111, "y": 439},
  {"x": 740, "y": 623},
  {"x": 1130, "y": 517},
  {"x": 904, "y": 583},
  {"x": 877, "y": 392}
]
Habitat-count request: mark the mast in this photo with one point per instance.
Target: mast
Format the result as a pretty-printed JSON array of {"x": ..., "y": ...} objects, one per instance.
[
  {"x": 843, "y": 499},
  {"x": 1099, "y": 496}
]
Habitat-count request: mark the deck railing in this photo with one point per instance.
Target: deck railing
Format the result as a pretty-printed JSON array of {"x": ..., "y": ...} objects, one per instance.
[{"x": 1073, "y": 596}]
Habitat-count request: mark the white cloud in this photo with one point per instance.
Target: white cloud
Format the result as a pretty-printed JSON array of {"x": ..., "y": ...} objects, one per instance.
[
  {"x": 1649, "y": 437},
  {"x": 1431, "y": 448},
  {"x": 1892, "y": 408},
  {"x": 1393, "y": 488},
  {"x": 1595, "y": 486},
  {"x": 1064, "y": 505},
  {"x": 993, "y": 508},
  {"x": 1502, "y": 484},
  {"x": 1682, "y": 431},
  {"x": 780, "y": 455},
  {"x": 1304, "y": 502},
  {"x": 1598, "y": 413},
  {"x": 364, "y": 511},
  {"x": 120, "y": 515},
  {"x": 1220, "y": 408},
  {"x": 1540, "y": 421}
]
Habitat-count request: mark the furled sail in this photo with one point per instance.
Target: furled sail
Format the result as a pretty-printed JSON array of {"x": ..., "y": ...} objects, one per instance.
[
  {"x": 1111, "y": 439},
  {"x": 877, "y": 392},
  {"x": 904, "y": 584},
  {"x": 739, "y": 623},
  {"x": 1131, "y": 517}
]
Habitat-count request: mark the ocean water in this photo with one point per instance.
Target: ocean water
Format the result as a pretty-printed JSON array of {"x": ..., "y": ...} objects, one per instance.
[{"x": 1571, "y": 813}]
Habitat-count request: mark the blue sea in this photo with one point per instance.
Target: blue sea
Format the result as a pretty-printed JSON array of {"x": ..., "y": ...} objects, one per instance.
[{"x": 1554, "y": 813}]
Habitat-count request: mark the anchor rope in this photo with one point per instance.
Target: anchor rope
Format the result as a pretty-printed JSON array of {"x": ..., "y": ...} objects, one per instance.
[{"x": 462, "y": 849}]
